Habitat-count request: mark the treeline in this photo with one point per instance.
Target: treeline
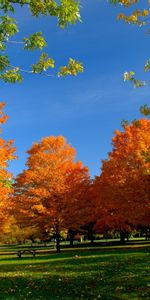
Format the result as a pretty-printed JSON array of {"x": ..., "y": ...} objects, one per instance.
[{"x": 55, "y": 195}]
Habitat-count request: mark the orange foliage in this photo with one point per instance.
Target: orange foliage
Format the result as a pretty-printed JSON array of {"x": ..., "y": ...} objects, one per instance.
[
  {"x": 52, "y": 190},
  {"x": 123, "y": 187},
  {"x": 6, "y": 154}
]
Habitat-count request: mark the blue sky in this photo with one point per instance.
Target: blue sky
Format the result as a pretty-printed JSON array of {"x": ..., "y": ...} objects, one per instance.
[{"x": 85, "y": 109}]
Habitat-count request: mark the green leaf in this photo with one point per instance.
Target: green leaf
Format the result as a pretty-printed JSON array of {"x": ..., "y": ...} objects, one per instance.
[
  {"x": 43, "y": 64},
  {"x": 11, "y": 76},
  {"x": 138, "y": 83},
  {"x": 8, "y": 28},
  {"x": 7, "y": 183},
  {"x": 145, "y": 110},
  {"x": 73, "y": 68},
  {"x": 68, "y": 13},
  {"x": 2, "y": 46},
  {"x": 4, "y": 62},
  {"x": 124, "y": 123},
  {"x": 34, "y": 41},
  {"x": 6, "y": 6},
  {"x": 129, "y": 76},
  {"x": 147, "y": 65}
]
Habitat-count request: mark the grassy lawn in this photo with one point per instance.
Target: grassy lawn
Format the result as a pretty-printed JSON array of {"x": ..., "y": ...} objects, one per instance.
[{"x": 90, "y": 274}]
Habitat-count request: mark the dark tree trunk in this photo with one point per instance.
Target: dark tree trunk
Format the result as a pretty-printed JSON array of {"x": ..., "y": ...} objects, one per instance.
[
  {"x": 57, "y": 241},
  {"x": 128, "y": 236},
  {"x": 71, "y": 235},
  {"x": 92, "y": 238},
  {"x": 146, "y": 235},
  {"x": 91, "y": 235},
  {"x": 122, "y": 237},
  {"x": 71, "y": 240}
]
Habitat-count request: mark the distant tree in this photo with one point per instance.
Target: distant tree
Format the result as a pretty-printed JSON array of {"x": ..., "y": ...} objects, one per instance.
[
  {"x": 123, "y": 187},
  {"x": 51, "y": 191}
]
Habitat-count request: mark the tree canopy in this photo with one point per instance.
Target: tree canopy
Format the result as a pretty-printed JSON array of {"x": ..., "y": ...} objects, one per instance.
[
  {"x": 123, "y": 186},
  {"x": 52, "y": 190},
  {"x": 66, "y": 11}
]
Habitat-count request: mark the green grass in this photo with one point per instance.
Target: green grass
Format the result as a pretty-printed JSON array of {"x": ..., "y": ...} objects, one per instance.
[{"x": 90, "y": 274}]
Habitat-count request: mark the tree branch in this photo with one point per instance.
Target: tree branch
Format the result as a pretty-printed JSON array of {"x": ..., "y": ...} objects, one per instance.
[{"x": 28, "y": 71}]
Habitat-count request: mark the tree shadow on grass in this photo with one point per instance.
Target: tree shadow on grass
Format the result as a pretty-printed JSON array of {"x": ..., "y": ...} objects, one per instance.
[
  {"x": 82, "y": 285},
  {"x": 72, "y": 261},
  {"x": 106, "y": 277}
]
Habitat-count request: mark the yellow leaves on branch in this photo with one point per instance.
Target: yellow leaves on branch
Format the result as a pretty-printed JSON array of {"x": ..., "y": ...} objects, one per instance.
[
  {"x": 128, "y": 3},
  {"x": 125, "y": 3},
  {"x": 138, "y": 16},
  {"x": 135, "y": 17}
]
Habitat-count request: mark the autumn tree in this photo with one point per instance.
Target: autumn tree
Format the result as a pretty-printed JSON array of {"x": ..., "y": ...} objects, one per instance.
[
  {"x": 6, "y": 154},
  {"x": 51, "y": 191},
  {"x": 123, "y": 188}
]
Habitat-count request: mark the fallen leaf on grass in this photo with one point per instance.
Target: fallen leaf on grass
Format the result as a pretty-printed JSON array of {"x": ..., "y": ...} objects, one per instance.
[{"x": 118, "y": 289}]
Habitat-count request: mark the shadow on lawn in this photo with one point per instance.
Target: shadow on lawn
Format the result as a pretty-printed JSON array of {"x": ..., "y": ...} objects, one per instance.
[
  {"x": 49, "y": 287},
  {"x": 92, "y": 285},
  {"x": 90, "y": 275}
]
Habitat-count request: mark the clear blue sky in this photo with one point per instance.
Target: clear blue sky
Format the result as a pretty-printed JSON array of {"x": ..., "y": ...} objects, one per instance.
[{"x": 85, "y": 109}]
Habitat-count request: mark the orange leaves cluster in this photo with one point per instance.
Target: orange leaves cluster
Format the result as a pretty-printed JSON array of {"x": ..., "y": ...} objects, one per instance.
[
  {"x": 123, "y": 186},
  {"x": 138, "y": 16},
  {"x": 135, "y": 17},
  {"x": 128, "y": 3},
  {"x": 6, "y": 154},
  {"x": 131, "y": 146},
  {"x": 125, "y": 3}
]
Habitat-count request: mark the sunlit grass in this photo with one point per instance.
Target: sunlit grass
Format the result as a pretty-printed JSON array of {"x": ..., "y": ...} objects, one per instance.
[{"x": 91, "y": 275}]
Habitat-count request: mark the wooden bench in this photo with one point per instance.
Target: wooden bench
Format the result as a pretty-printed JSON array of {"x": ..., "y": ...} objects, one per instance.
[{"x": 20, "y": 252}]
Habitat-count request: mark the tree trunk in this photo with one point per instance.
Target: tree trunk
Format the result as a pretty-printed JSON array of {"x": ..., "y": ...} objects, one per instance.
[
  {"x": 58, "y": 242},
  {"x": 128, "y": 236},
  {"x": 92, "y": 238},
  {"x": 71, "y": 235},
  {"x": 71, "y": 240},
  {"x": 146, "y": 235},
  {"x": 122, "y": 237},
  {"x": 90, "y": 235}
]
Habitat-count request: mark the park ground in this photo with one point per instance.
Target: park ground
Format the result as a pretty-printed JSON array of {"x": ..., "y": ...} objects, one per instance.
[{"x": 92, "y": 274}]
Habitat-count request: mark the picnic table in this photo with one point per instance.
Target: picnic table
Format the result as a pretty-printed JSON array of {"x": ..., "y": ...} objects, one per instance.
[{"x": 26, "y": 251}]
